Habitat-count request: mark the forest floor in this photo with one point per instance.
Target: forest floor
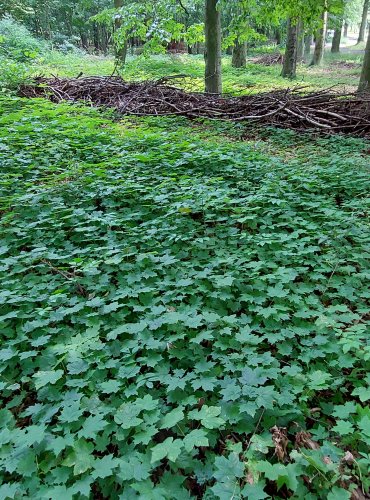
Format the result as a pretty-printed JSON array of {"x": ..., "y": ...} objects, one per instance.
[{"x": 184, "y": 304}]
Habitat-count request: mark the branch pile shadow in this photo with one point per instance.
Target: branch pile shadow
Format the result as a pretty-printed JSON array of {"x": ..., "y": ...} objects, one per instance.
[{"x": 324, "y": 110}]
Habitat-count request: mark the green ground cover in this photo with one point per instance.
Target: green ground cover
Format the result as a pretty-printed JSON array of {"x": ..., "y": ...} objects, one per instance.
[{"x": 183, "y": 309}]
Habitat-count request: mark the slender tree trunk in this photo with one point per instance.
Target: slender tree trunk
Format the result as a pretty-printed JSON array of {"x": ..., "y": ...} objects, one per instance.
[
  {"x": 365, "y": 74},
  {"x": 365, "y": 9},
  {"x": 278, "y": 36},
  {"x": 96, "y": 38},
  {"x": 345, "y": 30},
  {"x": 84, "y": 40},
  {"x": 239, "y": 58},
  {"x": 104, "y": 39},
  {"x": 290, "y": 58},
  {"x": 318, "y": 54},
  {"x": 120, "y": 49},
  {"x": 300, "y": 41},
  {"x": 307, "y": 46},
  {"x": 212, "y": 55},
  {"x": 335, "y": 44}
]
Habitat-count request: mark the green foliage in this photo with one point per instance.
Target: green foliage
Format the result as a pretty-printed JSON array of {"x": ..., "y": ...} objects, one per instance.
[
  {"x": 170, "y": 294},
  {"x": 16, "y": 42},
  {"x": 155, "y": 24},
  {"x": 12, "y": 73},
  {"x": 17, "y": 49}
]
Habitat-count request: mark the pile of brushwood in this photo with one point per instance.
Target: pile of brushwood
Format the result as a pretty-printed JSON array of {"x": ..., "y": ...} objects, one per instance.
[
  {"x": 270, "y": 59},
  {"x": 324, "y": 110}
]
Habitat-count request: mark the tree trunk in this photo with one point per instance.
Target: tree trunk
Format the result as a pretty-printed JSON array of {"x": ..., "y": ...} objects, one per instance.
[
  {"x": 361, "y": 35},
  {"x": 96, "y": 38},
  {"x": 104, "y": 40},
  {"x": 239, "y": 59},
  {"x": 290, "y": 58},
  {"x": 307, "y": 46},
  {"x": 212, "y": 55},
  {"x": 365, "y": 74},
  {"x": 278, "y": 36},
  {"x": 318, "y": 54},
  {"x": 335, "y": 44},
  {"x": 300, "y": 41},
  {"x": 121, "y": 48},
  {"x": 345, "y": 31},
  {"x": 84, "y": 40}
]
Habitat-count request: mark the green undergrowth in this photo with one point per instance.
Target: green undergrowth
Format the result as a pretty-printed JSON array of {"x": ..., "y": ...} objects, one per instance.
[{"x": 183, "y": 309}]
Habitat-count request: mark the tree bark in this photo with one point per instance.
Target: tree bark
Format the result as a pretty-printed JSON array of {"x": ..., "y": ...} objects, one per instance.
[
  {"x": 318, "y": 54},
  {"x": 239, "y": 59},
  {"x": 335, "y": 44},
  {"x": 212, "y": 54},
  {"x": 365, "y": 74},
  {"x": 300, "y": 41},
  {"x": 345, "y": 30},
  {"x": 365, "y": 9},
  {"x": 307, "y": 46},
  {"x": 290, "y": 58},
  {"x": 96, "y": 38}
]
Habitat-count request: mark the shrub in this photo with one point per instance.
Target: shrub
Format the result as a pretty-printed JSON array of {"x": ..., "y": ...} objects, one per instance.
[
  {"x": 12, "y": 73},
  {"x": 17, "y": 43},
  {"x": 67, "y": 45}
]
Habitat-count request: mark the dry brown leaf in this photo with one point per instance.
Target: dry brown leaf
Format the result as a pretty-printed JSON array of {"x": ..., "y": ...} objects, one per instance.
[
  {"x": 303, "y": 440},
  {"x": 280, "y": 439},
  {"x": 357, "y": 495},
  {"x": 349, "y": 458}
]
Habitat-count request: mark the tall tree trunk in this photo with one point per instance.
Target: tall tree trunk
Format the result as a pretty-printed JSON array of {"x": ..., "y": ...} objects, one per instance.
[
  {"x": 96, "y": 38},
  {"x": 290, "y": 58},
  {"x": 84, "y": 40},
  {"x": 307, "y": 46},
  {"x": 345, "y": 30},
  {"x": 365, "y": 9},
  {"x": 121, "y": 48},
  {"x": 239, "y": 58},
  {"x": 278, "y": 35},
  {"x": 318, "y": 54},
  {"x": 212, "y": 54},
  {"x": 365, "y": 74},
  {"x": 300, "y": 41},
  {"x": 335, "y": 44},
  {"x": 104, "y": 40}
]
